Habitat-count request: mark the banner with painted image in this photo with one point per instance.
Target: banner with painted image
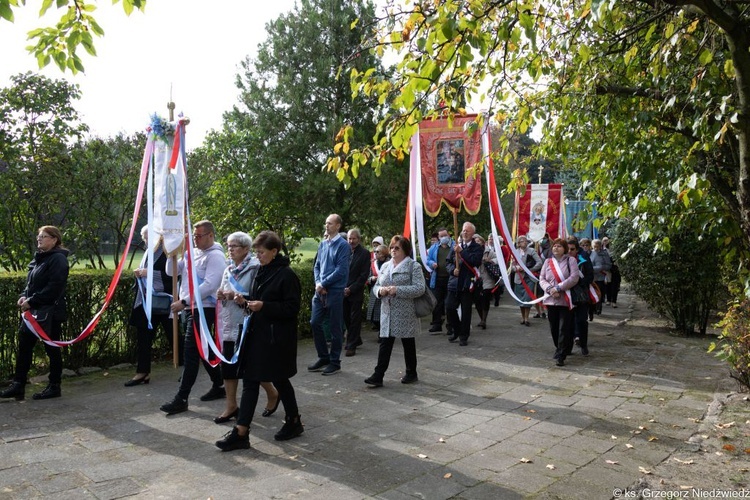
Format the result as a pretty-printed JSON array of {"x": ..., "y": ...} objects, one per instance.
[
  {"x": 541, "y": 210},
  {"x": 449, "y": 160},
  {"x": 169, "y": 202}
]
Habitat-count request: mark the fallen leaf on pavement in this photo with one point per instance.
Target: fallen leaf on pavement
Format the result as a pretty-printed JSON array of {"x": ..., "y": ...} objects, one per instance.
[
  {"x": 422, "y": 455},
  {"x": 613, "y": 437},
  {"x": 684, "y": 462},
  {"x": 629, "y": 446},
  {"x": 551, "y": 467},
  {"x": 612, "y": 462},
  {"x": 728, "y": 447},
  {"x": 643, "y": 470},
  {"x": 441, "y": 440},
  {"x": 725, "y": 426},
  {"x": 526, "y": 461},
  {"x": 653, "y": 438},
  {"x": 447, "y": 475}
]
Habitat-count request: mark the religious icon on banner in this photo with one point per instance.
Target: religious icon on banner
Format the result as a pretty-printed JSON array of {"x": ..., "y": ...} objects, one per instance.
[{"x": 450, "y": 162}]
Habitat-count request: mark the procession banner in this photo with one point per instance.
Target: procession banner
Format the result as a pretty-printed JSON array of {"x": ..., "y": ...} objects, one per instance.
[
  {"x": 541, "y": 210},
  {"x": 449, "y": 160}
]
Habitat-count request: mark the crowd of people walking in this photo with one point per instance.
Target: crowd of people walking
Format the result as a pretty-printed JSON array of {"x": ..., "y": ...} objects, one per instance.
[{"x": 258, "y": 299}]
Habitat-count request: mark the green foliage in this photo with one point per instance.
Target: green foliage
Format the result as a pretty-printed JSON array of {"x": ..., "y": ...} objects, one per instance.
[
  {"x": 734, "y": 343},
  {"x": 264, "y": 169},
  {"x": 684, "y": 283},
  {"x": 113, "y": 341},
  {"x": 645, "y": 100},
  {"x": 50, "y": 176},
  {"x": 37, "y": 121},
  {"x": 75, "y": 28}
]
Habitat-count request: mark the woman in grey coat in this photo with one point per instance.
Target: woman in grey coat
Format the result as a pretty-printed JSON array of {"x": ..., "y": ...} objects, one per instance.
[{"x": 399, "y": 283}]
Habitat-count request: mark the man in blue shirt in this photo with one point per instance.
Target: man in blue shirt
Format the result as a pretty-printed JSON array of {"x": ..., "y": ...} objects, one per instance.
[{"x": 331, "y": 274}]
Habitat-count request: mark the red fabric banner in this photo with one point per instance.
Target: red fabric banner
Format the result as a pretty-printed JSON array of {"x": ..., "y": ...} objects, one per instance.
[
  {"x": 540, "y": 211},
  {"x": 449, "y": 157}
]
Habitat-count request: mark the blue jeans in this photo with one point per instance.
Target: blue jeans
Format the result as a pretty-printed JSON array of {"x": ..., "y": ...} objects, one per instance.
[{"x": 331, "y": 306}]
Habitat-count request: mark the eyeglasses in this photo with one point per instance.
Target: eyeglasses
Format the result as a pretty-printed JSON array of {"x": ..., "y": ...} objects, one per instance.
[
  {"x": 198, "y": 236},
  {"x": 234, "y": 246},
  {"x": 42, "y": 236}
]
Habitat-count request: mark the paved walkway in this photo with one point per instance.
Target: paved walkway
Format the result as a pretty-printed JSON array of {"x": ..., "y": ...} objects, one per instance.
[{"x": 494, "y": 420}]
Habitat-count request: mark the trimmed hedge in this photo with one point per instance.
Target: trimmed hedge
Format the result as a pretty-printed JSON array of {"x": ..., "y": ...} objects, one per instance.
[{"x": 113, "y": 341}]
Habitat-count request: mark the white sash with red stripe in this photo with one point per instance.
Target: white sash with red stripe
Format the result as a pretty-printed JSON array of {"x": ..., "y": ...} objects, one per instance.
[{"x": 557, "y": 272}]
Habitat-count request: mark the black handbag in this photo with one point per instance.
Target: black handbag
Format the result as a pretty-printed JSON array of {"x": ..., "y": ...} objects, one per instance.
[{"x": 580, "y": 295}]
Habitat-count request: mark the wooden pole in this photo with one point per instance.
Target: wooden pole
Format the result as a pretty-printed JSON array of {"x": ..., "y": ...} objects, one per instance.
[
  {"x": 455, "y": 223},
  {"x": 175, "y": 288}
]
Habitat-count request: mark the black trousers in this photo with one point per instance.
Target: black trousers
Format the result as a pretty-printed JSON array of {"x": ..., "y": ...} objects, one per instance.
[
  {"x": 441, "y": 292},
  {"x": 250, "y": 391},
  {"x": 580, "y": 317},
  {"x": 561, "y": 329},
  {"x": 353, "y": 321},
  {"x": 193, "y": 358},
  {"x": 145, "y": 339},
  {"x": 384, "y": 355},
  {"x": 465, "y": 300},
  {"x": 26, "y": 343}
]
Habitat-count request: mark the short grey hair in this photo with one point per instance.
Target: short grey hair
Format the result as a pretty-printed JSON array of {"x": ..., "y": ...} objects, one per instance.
[
  {"x": 144, "y": 232},
  {"x": 242, "y": 239},
  {"x": 354, "y": 230}
]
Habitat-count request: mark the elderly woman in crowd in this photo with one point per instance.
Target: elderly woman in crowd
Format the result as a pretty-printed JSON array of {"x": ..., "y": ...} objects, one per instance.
[
  {"x": 270, "y": 351},
  {"x": 602, "y": 263},
  {"x": 400, "y": 282},
  {"x": 236, "y": 284},
  {"x": 558, "y": 275},
  {"x": 44, "y": 296},
  {"x": 484, "y": 296},
  {"x": 381, "y": 256},
  {"x": 162, "y": 282},
  {"x": 523, "y": 283}
]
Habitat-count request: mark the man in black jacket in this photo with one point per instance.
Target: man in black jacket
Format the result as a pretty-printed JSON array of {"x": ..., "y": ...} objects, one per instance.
[
  {"x": 359, "y": 270},
  {"x": 462, "y": 265}
]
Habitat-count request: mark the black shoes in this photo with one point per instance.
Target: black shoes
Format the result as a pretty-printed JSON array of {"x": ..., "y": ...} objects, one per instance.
[
  {"x": 585, "y": 351},
  {"x": 221, "y": 420},
  {"x": 374, "y": 381},
  {"x": 137, "y": 381},
  {"x": 463, "y": 342},
  {"x": 453, "y": 338},
  {"x": 560, "y": 361},
  {"x": 214, "y": 393},
  {"x": 49, "y": 392},
  {"x": 233, "y": 441},
  {"x": 267, "y": 412},
  {"x": 177, "y": 405},
  {"x": 14, "y": 390},
  {"x": 331, "y": 369},
  {"x": 409, "y": 378},
  {"x": 318, "y": 365},
  {"x": 435, "y": 329},
  {"x": 291, "y": 429}
]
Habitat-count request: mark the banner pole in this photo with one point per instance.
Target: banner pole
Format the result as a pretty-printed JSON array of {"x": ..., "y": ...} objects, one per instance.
[
  {"x": 175, "y": 290},
  {"x": 455, "y": 222}
]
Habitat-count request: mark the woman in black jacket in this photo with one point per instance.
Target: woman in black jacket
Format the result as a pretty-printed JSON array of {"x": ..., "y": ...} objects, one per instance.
[
  {"x": 270, "y": 350},
  {"x": 44, "y": 295}
]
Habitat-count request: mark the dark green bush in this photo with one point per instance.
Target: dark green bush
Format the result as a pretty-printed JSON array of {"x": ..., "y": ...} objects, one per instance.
[
  {"x": 113, "y": 340},
  {"x": 734, "y": 342},
  {"x": 684, "y": 283}
]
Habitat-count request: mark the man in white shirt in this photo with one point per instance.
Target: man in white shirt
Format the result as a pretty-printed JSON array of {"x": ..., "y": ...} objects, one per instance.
[{"x": 209, "y": 263}]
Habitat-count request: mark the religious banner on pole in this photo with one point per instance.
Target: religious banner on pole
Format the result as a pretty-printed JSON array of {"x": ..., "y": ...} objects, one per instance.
[
  {"x": 541, "y": 210},
  {"x": 450, "y": 154},
  {"x": 169, "y": 189}
]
